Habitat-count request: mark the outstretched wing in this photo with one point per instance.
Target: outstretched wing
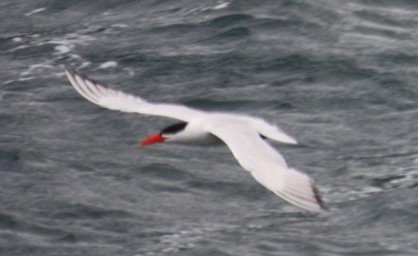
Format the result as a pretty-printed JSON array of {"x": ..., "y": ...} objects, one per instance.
[
  {"x": 118, "y": 100},
  {"x": 270, "y": 131},
  {"x": 266, "y": 165}
]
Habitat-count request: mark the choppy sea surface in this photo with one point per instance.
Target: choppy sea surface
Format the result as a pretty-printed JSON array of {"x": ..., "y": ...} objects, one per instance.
[{"x": 340, "y": 76}]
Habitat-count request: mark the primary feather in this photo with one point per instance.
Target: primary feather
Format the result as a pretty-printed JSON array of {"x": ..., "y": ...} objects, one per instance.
[
  {"x": 118, "y": 100},
  {"x": 265, "y": 164}
]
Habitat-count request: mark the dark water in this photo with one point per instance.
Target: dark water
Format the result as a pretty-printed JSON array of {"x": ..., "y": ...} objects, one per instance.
[{"x": 340, "y": 76}]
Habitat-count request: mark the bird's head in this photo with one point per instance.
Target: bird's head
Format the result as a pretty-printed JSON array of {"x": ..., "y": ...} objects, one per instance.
[{"x": 167, "y": 134}]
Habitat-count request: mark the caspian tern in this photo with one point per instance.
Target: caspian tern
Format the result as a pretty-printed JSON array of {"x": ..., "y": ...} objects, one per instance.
[{"x": 244, "y": 135}]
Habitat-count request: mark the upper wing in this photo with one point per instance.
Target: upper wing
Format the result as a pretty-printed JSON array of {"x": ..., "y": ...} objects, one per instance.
[
  {"x": 271, "y": 131},
  {"x": 266, "y": 165},
  {"x": 117, "y": 100}
]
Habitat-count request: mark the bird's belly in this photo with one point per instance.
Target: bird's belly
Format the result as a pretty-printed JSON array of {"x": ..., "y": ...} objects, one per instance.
[{"x": 202, "y": 140}]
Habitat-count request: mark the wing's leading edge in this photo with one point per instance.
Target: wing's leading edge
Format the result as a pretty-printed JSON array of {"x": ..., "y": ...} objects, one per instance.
[{"x": 118, "y": 100}]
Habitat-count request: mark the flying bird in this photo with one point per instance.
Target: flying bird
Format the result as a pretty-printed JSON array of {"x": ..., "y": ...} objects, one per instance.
[{"x": 245, "y": 136}]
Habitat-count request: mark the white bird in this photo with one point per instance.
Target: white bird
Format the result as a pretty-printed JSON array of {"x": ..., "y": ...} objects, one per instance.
[{"x": 244, "y": 135}]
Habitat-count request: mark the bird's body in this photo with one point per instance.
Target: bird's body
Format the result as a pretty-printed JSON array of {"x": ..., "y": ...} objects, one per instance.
[{"x": 244, "y": 135}]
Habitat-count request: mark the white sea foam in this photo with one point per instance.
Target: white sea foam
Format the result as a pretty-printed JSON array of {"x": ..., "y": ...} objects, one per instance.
[
  {"x": 119, "y": 25},
  {"x": 17, "y": 39},
  {"x": 62, "y": 49},
  {"x": 221, "y": 5},
  {"x": 33, "y": 69},
  {"x": 7, "y": 82},
  {"x": 35, "y": 11},
  {"x": 108, "y": 64}
]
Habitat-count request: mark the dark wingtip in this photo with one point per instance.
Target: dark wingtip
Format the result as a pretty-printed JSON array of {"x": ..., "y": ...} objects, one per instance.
[
  {"x": 318, "y": 198},
  {"x": 69, "y": 70}
]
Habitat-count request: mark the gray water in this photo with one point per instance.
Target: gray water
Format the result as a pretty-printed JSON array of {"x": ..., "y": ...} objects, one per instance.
[{"x": 340, "y": 76}]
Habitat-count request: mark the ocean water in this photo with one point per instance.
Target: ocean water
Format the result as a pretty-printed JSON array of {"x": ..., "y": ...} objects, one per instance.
[{"x": 340, "y": 76}]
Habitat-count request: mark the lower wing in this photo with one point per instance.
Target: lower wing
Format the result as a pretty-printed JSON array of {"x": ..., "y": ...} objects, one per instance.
[{"x": 267, "y": 166}]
